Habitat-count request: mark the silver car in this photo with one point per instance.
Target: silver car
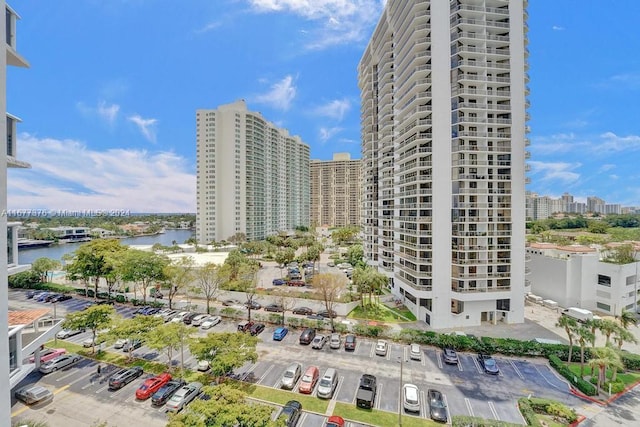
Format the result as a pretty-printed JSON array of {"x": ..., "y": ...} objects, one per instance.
[
  {"x": 59, "y": 363},
  {"x": 291, "y": 376},
  {"x": 183, "y": 396},
  {"x": 33, "y": 393},
  {"x": 335, "y": 341},
  {"x": 66, "y": 333}
]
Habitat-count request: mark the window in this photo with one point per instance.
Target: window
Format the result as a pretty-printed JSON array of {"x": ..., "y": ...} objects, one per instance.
[
  {"x": 604, "y": 280},
  {"x": 503, "y": 304},
  {"x": 603, "y": 306}
]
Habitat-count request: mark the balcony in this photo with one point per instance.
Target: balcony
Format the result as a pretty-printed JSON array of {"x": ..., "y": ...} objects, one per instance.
[
  {"x": 12, "y": 160},
  {"x": 13, "y": 57}
]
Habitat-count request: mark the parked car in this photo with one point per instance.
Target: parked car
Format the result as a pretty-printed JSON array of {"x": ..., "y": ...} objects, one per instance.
[
  {"x": 296, "y": 282},
  {"x": 33, "y": 394},
  {"x": 230, "y": 302},
  {"x": 90, "y": 342},
  {"x": 335, "y": 421},
  {"x": 280, "y": 333},
  {"x": 58, "y": 363},
  {"x": 488, "y": 364},
  {"x": 274, "y": 308},
  {"x": 188, "y": 318},
  {"x": 366, "y": 394},
  {"x": 177, "y": 318},
  {"x": 350, "y": 342},
  {"x": 66, "y": 333},
  {"x": 328, "y": 314},
  {"x": 183, "y": 396},
  {"x": 61, "y": 297},
  {"x": 328, "y": 384},
  {"x": 318, "y": 342},
  {"x": 42, "y": 297},
  {"x": 415, "y": 352},
  {"x": 411, "y": 398},
  {"x": 197, "y": 320},
  {"x": 278, "y": 282},
  {"x": 244, "y": 326},
  {"x": 163, "y": 394},
  {"x": 291, "y": 376},
  {"x": 307, "y": 336},
  {"x": 256, "y": 329},
  {"x": 151, "y": 385},
  {"x": 290, "y": 413},
  {"x": 302, "y": 310},
  {"x": 381, "y": 348},
  {"x": 124, "y": 377},
  {"x": 48, "y": 354},
  {"x": 203, "y": 365},
  {"x": 437, "y": 407},
  {"x": 254, "y": 305},
  {"x": 335, "y": 341},
  {"x": 132, "y": 345},
  {"x": 210, "y": 321},
  {"x": 30, "y": 294},
  {"x": 331, "y": 264},
  {"x": 309, "y": 380},
  {"x": 120, "y": 343},
  {"x": 450, "y": 356}
]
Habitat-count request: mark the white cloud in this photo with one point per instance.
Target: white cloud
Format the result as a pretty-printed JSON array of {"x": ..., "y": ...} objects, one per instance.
[
  {"x": 281, "y": 94},
  {"x": 606, "y": 168},
  {"x": 614, "y": 143},
  {"x": 146, "y": 126},
  {"x": 335, "y": 109},
  {"x": 556, "y": 171},
  {"x": 105, "y": 112},
  {"x": 328, "y": 133},
  {"x": 209, "y": 27},
  {"x": 628, "y": 80},
  {"x": 557, "y": 28},
  {"x": 338, "y": 21},
  {"x": 66, "y": 174}
]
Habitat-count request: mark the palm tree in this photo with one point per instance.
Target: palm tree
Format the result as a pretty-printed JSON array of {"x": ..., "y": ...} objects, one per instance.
[
  {"x": 620, "y": 336},
  {"x": 593, "y": 324},
  {"x": 569, "y": 324},
  {"x": 608, "y": 327},
  {"x": 604, "y": 358},
  {"x": 584, "y": 335},
  {"x": 627, "y": 318}
]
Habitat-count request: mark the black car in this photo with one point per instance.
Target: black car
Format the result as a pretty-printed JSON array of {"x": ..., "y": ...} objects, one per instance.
[
  {"x": 291, "y": 413},
  {"x": 488, "y": 364},
  {"x": 106, "y": 301},
  {"x": 437, "y": 408},
  {"x": 189, "y": 318},
  {"x": 61, "y": 297},
  {"x": 450, "y": 356},
  {"x": 132, "y": 345},
  {"x": 307, "y": 336},
  {"x": 124, "y": 377},
  {"x": 51, "y": 297},
  {"x": 277, "y": 308},
  {"x": 253, "y": 305},
  {"x": 31, "y": 294},
  {"x": 328, "y": 313},
  {"x": 163, "y": 394},
  {"x": 302, "y": 310},
  {"x": 350, "y": 342},
  {"x": 256, "y": 328}
]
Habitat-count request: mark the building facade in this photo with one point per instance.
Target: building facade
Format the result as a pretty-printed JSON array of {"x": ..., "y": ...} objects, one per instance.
[
  {"x": 576, "y": 276},
  {"x": 252, "y": 177},
  {"x": 336, "y": 191},
  {"x": 444, "y": 111}
]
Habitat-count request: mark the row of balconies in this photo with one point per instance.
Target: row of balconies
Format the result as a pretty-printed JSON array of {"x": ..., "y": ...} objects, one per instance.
[
  {"x": 468, "y": 7},
  {"x": 481, "y": 78},
  {"x": 488, "y": 23},
  {"x": 481, "y": 50},
  {"x": 466, "y": 91},
  {"x": 489, "y": 121},
  {"x": 481, "y": 64},
  {"x": 481, "y": 289},
  {"x": 475, "y": 162},
  {"x": 478, "y": 36},
  {"x": 482, "y": 106}
]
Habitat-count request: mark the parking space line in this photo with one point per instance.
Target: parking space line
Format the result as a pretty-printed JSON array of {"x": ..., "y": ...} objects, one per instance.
[
  {"x": 493, "y": 410},
  {"x": 423, "y": 406},
  {"x": 378, "y": 393},
  {"x": 302, "y": 418},
  {"x": 372, "y": 352},
  {"x": 545, "y": 378},
  {"x": 337, "y": 391},
  {"x": 265, "y": 374},
  {"x": 423, "y": 359},
  {"x": 446, "y": 408},
  {"x": 439, "y": 358},
  {"x": 515, "y": 368},
  {"x": 475, "y": 362},
  {"x": 469, "y": 408}
]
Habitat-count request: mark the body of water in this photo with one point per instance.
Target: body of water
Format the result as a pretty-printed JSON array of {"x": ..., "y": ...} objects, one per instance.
[{"x": 27, "y": 256}]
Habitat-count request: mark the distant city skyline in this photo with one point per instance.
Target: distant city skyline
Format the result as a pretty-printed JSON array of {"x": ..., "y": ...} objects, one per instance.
[{"x": 118, "y": 132}]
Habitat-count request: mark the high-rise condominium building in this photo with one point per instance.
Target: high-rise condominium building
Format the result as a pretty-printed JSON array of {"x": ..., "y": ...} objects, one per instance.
[
  {"x": 10, "y": 349},
  {"x": 444, "y": 111},
  {"x": 336, "y": 191},
  {"x": 253, "y": 177}
]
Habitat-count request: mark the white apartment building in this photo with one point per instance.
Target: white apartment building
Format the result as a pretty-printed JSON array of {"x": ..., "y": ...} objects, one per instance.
[
  {"x": 575, "y": 276},
  {"x": 252, "y": 177},
  {"x": 336, "y": 191},
  {"x": 444, "y": 111}
]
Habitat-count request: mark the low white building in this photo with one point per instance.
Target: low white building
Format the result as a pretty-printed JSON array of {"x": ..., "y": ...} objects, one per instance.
[{"x": 576, "y": 276}]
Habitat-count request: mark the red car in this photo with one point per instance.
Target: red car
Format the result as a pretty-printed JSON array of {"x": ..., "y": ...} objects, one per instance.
[
  {"x": 152, "y": 385},
  {"x": 335, "y": 421}
]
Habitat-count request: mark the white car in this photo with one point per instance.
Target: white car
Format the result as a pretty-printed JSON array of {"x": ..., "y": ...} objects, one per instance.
[
  {"x": 120, "y": 343},
  {"x": 183, "y": 396},
  {"x": 178, "y": 317},
  {"x": 381, "y": 348},
  {"x": 66, "y": 333},
  {"x": 203, "y": 365},
  {"x": 411, "y": 398},
  {"x": 197, "y": 321},
  {"x": 318, "y": 342},
  {"x": 415, "y": 352},
  {"x": 90, "y": 342},
  {"x": 210, "y": 322}
]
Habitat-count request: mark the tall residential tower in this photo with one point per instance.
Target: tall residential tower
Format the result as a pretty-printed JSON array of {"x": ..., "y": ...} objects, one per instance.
[
  {"x": 253, "y": 177},
  {"x": 444, "y": 111},
  {"x": 336, "y": 191}
]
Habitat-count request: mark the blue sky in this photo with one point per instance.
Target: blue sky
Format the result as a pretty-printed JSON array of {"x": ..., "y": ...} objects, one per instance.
[{"x": 108, "y": 105}]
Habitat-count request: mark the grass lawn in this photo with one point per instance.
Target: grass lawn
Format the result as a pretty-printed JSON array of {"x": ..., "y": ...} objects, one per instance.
[
  {"x": 380, "y": 313},
  {"x": 378, "y": 418},
  {"x": 281, "y": 397},
  {"x": 548, "y": 419},
  {"x": 627, "y": 377}
]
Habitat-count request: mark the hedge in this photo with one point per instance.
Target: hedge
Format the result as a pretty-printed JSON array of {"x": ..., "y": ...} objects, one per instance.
[
  {"x": 616, "y": 387},
  {"x": 527, "y": 412},
  {"x": 551, "y": 407},
  {"x": 466, "y": 421},
  {"x": 582, "y": 385}
]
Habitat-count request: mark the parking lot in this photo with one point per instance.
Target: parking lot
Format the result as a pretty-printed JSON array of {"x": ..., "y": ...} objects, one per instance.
[{"x": 467, "y": 389}]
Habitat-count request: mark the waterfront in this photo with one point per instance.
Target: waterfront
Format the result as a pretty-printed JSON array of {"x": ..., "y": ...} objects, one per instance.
[{"x": 27, "y": 256}]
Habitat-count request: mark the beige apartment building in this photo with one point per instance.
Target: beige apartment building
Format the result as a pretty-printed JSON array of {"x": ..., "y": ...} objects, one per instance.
[
  {"x": 252, "y": 177},
  {"x": 336, "y": 191},
  {"x": 444, "y": 123}
]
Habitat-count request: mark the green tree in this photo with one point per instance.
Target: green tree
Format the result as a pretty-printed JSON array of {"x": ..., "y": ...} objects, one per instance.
[
  {"x": 43, "y": 266},
  {"x": 569, "y": 325},
  {"x": 178, "y": 275},
  {"x": 93, "y": 318},
  {"x": 607, "y": 328},
  {"x": 226, "y": 351},
  {"x": 143, "y": 267},
  {"x": 598, "y": 227},
  {"x": 329, "y": 286},
  {"x": 627, "y": 318},
  {"x": 584, "y": 335},
  {"x": 208, "y": 282},
  {"x": 138, "y": 327},
  {"x": 170, "y": 337},
  {"x": 604, "y": 358},
  {"x": 355, "y": 255}
]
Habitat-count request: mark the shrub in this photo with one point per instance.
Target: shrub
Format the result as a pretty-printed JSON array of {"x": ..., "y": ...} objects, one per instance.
[
  {"x": 25, "y": 280},
  {"x": 551, "y": 407},
  {"x": 528, "y": 413},
  {"x": 616, "y": 387},
  {"x": 582, "y": 385},
  {"x": 631, "y": 361},
  {"x": 121, "y": 298}
]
